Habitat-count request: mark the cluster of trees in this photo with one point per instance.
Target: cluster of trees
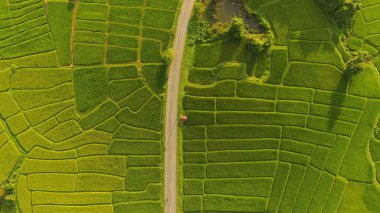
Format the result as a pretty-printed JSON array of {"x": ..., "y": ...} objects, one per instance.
[
  {"x": 341, "y": 11},
  {"x": 204, "y": 31},
  {"x": 356, "y": 64},
  {"x": 257, "y": 43},
  {"x": 203, "y": 28}
]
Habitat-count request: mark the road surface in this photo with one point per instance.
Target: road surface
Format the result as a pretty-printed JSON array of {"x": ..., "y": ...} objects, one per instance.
[{"x": 171, "y": 117}]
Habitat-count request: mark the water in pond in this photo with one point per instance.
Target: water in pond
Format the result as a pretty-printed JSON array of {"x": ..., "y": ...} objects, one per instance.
[{"x": 227, "y": 9}]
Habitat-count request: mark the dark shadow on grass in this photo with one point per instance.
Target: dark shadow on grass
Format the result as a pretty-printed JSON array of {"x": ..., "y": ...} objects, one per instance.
[
  {"x": 229, "y": 48},
  {"x": 337, "y": 99},
  {"x": 251, "y": 64},
  {"x": 306, "y": 48},
  {"x": 71, "y": 5}
]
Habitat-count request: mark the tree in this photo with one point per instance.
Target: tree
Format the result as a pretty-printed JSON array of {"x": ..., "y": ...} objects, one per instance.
[
  {"x": 356, "y": 64},
  {"x": 238, "y": 28},
  {"x": 345, "y": 14},
  {"x": 219, "y": 29},
  {"x": 256, "y": 42},
  {"x": 168, "y": 56},
  {"x": 341, "y": 11}
]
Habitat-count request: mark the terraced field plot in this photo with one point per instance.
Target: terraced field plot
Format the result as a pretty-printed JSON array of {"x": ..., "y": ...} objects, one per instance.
[
  {"x": 292, "y": 135},
  {"x": 81, "y": 97}
]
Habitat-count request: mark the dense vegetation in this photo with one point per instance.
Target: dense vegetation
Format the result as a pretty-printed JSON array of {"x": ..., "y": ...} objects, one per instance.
[
  {"x": 206, "y": 27},
  {"x": 341, "y": 11},
  {"x": 257, "y": 43}
]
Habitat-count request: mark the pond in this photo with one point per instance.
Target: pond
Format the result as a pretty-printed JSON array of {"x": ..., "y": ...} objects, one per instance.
[{"x": 227, "y": 9}]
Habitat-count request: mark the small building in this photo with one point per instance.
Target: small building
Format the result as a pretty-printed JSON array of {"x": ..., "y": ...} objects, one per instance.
[{"x": 183, "y": 118}]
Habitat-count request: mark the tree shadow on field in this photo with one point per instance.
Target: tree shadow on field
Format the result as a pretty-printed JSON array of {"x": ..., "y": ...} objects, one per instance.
[
  {"x": 310, "y": 52},
  {"x": 71, "y": 4},
  {"x": 337, "y": 99},
  {"x": 229, "y": 48}
]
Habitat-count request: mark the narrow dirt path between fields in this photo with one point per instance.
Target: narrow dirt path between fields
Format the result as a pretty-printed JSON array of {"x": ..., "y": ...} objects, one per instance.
[
  {"x": 171, "y": 117},
  {"x": 73, "y": 31}
]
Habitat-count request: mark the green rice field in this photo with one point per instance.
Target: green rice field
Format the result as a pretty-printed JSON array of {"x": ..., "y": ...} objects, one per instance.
[
  {"x": 82, "y": 103},
  {"x": 285, "y": 131},
  {"x": 280, "y": 106}
]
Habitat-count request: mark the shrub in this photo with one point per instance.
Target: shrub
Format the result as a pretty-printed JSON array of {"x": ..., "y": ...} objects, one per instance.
[
  {"x": 342, "y": 12},
  {"x": 198, "y": 31},
  {"x": 219, "y": 29},
  {"x": 200, "y": 8},
  {"x": 168, "y": 56},
  {"x": 203, "y": 31},
  {"x": 355, "y": 65},
  {"x": 8, "y": 196},
  {"x": 238, "y": 28},
  {"x": 256, "y": 43}
]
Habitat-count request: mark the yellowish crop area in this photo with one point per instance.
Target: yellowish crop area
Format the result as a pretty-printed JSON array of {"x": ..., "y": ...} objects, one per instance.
[{"x": 81, "y": 104}]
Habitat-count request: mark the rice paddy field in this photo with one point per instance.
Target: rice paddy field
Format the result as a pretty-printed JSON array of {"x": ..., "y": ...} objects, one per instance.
[
  {"x": 81, "y": 104},
  {"x": 285, "y": 131}
]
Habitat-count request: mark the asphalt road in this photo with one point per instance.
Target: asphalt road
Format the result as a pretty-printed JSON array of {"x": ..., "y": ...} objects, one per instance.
[{"x": 171, "y": 117}]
